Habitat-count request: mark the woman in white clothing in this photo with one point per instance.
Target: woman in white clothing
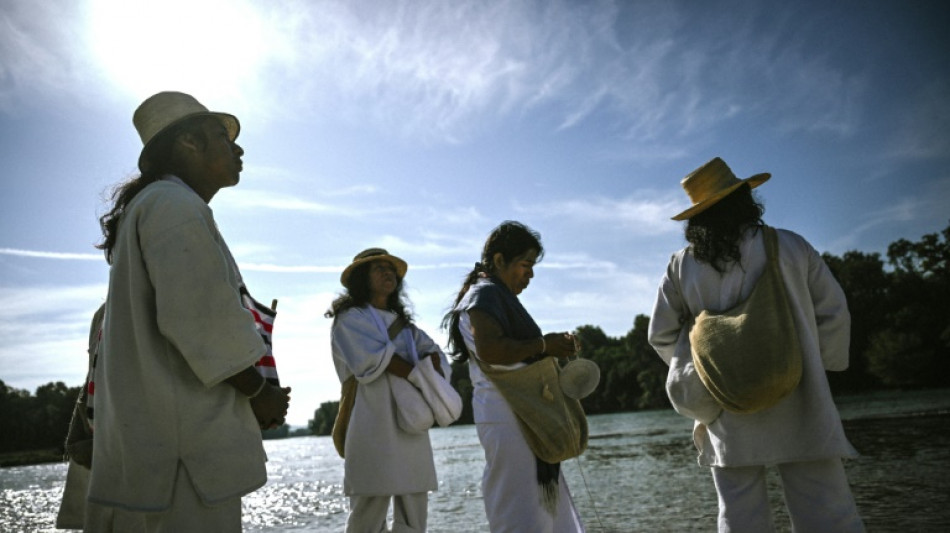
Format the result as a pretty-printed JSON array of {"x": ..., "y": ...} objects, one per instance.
[
  {"x": 801, "y": 434},
  {"x": 383, "y": 463},
  {"x": 522, "y": 493}
]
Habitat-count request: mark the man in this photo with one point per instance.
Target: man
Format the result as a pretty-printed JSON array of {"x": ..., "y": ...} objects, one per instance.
[
  {"x": 730, "y": 253},
  {"x": 178, "y": 403}
]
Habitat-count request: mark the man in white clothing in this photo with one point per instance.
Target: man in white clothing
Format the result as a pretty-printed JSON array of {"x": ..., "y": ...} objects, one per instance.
[
  {"x": 801, "y": 434},
  {"x": 178, "y": 403}
]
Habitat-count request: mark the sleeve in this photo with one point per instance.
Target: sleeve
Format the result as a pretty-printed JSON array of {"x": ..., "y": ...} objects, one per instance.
[
  {"x": 669, "y": 315},
  {"x": 358, "y": 345},
  {"x": 198, "y": 307},
  {"x": 832, "y": 317},
  {"x": 685, "y": 389},
  {"x": 487, "y": 298}
]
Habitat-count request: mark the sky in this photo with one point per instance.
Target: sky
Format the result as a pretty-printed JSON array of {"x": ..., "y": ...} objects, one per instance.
[{"x": 418, "y": 126}]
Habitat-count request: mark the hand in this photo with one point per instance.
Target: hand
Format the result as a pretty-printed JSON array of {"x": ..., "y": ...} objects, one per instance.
[
  {"x": 270, "y": 406},
  {"x": 436, "y": 362},
  {"x": 560, "y": 345}
]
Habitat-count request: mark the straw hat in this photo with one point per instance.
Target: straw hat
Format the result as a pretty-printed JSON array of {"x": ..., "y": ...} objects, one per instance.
[
  {"x": 712, "y": 182},
  {"x": 163, "y": 110},
  {"x": 579, "y": 378},
  {"x": 374, "y": 254}
]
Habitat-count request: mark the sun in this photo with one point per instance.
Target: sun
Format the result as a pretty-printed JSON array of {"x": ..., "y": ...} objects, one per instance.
[{"x": 210, "y": 48}]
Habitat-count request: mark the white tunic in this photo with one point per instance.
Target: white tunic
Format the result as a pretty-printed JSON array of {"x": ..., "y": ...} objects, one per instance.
[
  {"x": 174, "y": 330},
  {"x": 381, "y": 459},
  {"x": 803, "y": 426}
]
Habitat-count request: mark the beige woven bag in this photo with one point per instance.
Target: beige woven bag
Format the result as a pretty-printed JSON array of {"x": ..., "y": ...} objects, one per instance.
[
  {"x": 554, "y": 426},
  {"x": 750, "y": 357}
]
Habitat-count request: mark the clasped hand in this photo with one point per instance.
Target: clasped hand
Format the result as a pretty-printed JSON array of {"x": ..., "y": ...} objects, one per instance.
[{"x": 270, "y": 406}]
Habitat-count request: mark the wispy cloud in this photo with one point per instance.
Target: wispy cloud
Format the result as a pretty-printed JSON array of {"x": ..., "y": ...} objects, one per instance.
[
  {"x": 445, "y": 71},
  {"x": 51, "y": 255},
  {"x": 647, "y": 213}
]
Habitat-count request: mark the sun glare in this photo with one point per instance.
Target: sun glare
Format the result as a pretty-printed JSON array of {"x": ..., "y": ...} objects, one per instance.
[{"x": 211, "y": 48}]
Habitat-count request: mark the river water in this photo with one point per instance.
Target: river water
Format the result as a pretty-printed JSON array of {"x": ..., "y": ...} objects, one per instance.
[{"x": 638, "y": 474}]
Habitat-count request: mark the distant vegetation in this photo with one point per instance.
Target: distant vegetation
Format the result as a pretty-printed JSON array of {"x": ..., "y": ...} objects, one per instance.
[{"x": 900, "y": 338}]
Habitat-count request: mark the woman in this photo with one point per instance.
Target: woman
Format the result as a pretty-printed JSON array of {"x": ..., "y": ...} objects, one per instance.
[
  {"x": 802, "y": 433},
  {"x": 382, "y": 461},
  {"x": 489, "y": 326}
]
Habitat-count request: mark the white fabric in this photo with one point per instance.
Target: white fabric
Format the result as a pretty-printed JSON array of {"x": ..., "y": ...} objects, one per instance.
[
  {"x": 816, "y": 494},
  {"x": 510, "y": 488},
  {"x": 187, "y": 513},
  {"x": 174, "y": 330},
  {"x": 381, "y": 459},
  {"x": 445, "y": 402},
  {"x": 805, "y": 425},
  {"x": 368, "y": 513}
]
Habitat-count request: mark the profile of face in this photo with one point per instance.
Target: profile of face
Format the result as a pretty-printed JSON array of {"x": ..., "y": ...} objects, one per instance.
[
  {"x": 221, "y": 158},
  {"x": 383, "y": 280},
  {"x": 517, "y": 273}
]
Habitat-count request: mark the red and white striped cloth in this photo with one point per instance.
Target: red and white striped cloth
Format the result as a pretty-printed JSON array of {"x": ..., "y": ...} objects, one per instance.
[{"x": 264, "y": 321}]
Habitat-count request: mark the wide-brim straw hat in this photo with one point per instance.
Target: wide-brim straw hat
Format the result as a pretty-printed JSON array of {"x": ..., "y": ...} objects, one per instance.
[
  {"x": 579, "y": 378},
  {"x": 374, "y": 254},
  {"x": 163, "y": 110},
  {"x": 712, "y": 182}
]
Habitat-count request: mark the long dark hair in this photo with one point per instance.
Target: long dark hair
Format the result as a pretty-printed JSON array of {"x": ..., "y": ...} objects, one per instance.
[
  {"x": 714, "y": 234},
  {"x": 511, "y": 239},
  {"x": 358, "y": 293},
  {"x": 158, "y": 160}
]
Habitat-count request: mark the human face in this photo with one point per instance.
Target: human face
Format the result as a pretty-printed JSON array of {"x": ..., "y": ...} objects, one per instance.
[
  {"x": 220, "y": 161},
  {"x": 517, "y": 274},
  {"x": 382, "y": 281}
]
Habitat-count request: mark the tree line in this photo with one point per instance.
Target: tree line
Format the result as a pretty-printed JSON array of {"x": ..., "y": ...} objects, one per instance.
[{"x": 900, "y": 338}]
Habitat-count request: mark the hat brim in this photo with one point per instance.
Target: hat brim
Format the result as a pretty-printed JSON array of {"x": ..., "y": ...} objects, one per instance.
[
  {"x": 401, "y": 266},
  {"x": 230, "y": 122},
  {"x": 696, "y": 209}
]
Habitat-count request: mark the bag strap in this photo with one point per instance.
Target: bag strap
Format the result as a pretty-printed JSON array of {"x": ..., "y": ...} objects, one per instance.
[
  {"x": 396, "y": 327},
  {"x": 771, "y": 243}
]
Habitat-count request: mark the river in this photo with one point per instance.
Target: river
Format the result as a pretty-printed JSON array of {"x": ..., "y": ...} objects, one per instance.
[{"x": 638, "y": 474}]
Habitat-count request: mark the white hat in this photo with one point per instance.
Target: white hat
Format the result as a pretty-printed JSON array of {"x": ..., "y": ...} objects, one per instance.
[{"x": 163, "y": 110}]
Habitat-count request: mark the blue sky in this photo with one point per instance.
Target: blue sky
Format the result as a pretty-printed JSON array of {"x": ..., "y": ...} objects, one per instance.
[{"x": 419, "y": 126}]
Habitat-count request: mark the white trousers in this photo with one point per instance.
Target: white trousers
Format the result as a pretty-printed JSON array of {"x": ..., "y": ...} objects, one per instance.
[
  {"x": 187, "y": 514},
  {"x": 510, "y": 486},
  {"x": 368, "y": 513},
  {"x": 817, "y": 497}
]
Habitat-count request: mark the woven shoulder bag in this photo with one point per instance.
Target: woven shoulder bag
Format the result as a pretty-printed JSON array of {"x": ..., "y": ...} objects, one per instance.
[{"x": 750, "y": 357}]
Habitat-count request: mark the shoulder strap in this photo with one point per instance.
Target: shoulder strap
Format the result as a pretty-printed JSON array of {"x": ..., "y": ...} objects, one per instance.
[
  {"x": 771, "y": 243},
  {"x": 396, "y": 327}
]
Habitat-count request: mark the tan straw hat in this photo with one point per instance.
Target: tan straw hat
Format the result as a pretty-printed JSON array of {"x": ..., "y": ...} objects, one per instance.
[
  {"x": 163, "y": 110},
  {"x": 579, "y": 378},
  {"x": 374, "y": 254},
  {"x": 712, "y": 182}
]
